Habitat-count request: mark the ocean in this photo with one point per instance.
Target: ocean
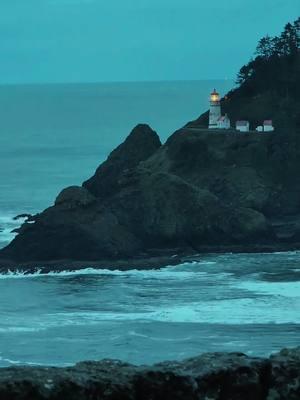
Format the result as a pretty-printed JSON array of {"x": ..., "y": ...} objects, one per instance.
[{"x": 53, "y": 136}]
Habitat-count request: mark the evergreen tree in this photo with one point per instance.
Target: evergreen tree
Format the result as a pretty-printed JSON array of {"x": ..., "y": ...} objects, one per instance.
[
  {"x": 244, "y": 74},
  {"x": 277, "y": 46},
  {"x": 273, "y": 53},
  {"x": 289, "y": 40},
  {"x": 297, "y": 30},
  {"x": 265, "y": 47}
]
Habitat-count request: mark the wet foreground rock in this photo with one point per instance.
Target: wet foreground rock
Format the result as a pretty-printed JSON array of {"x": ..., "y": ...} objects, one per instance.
[{"x": 214, "y": 376}]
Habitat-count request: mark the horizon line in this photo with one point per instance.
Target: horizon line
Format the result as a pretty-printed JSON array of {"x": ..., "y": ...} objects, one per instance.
[{"x": 111, "y": 82}]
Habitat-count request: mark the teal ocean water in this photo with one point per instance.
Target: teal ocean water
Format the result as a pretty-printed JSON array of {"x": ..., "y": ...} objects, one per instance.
[
  {"x": 243, "y": 302},
  {"x": 56, "y": 136}
]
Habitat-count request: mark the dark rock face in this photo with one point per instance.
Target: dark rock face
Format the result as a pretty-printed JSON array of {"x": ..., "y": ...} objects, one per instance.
[
  {"x": 79, "y": 226},
  {"x": 285, "y": 366},
  {"x": 215, "y": 376},
  {"x": 139, "y": 145},
  {"x": 200, "y": 189},
  {"x": 75, "y": 196}
]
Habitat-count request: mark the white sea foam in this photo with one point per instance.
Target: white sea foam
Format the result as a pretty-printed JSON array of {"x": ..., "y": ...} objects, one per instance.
[
  {"x": 287, "y": 253},
  {"x": 18, "y": 362},
  {"x": 162, "y": 273},
  {"x": 246, "y": 311},
  {"x": 20, "y": 329},
  {"x": 261, "y": 310},
  {"x": 7, "y": 224},
  {"x": 159, "y": 339},
  {"x": 273, "y": 305},
  {"x": 187, "y": 270},
  {"x": 13, "y": 362},
  {"x": 284, "y": 289}
]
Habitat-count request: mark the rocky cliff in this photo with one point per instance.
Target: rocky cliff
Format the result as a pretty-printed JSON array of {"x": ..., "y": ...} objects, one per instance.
[
  {"x": 200, "y": 190},
  {"x": 203, "y": 190},
  {"x": 214, "y": 376}
]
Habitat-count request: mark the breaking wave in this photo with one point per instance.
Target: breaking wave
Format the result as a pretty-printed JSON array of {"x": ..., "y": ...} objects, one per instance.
[
  {"x": 7, "y": 224},
  {"x": 182, "y": 271}
]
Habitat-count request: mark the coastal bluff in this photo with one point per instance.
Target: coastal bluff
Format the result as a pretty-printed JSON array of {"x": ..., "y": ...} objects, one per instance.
[
  {"x": 215, "y": 376},
  {"x": 203, "y": 190}
]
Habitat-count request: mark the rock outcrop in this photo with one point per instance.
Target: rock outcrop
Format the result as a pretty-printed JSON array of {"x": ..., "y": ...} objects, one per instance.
[
  {"x": 214, "y": 376},
  {"x": 139, "y": 145},
  {"x": 74, "y": 197}
]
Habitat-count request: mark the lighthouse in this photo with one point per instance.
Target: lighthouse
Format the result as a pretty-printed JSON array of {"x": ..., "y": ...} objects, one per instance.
[{"x": 215, "y": 110}]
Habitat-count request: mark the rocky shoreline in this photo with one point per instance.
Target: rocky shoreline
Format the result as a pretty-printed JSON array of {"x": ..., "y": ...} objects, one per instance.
[
  {"x": 159, "y": 260},
  {"x": 213, "y": 376}
]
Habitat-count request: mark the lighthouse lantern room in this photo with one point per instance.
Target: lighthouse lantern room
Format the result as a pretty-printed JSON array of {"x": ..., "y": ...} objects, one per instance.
[{"x": 215, "y": 110}]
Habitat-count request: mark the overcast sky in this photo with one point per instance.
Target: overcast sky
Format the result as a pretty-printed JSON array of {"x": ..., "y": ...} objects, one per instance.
[{"x": 133, "y": 40}]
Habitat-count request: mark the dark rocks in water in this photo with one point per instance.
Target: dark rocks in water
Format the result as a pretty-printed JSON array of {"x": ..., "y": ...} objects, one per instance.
[
  {"x": 217, "y": 376},
  {"x": 61, "y": 233},
  {"x": 28, "y": 220},
  {"x": 22, "y": 216}
]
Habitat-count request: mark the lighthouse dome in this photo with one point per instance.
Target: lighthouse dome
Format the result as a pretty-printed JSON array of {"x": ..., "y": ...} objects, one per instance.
[{"x": 214, "y": 96}]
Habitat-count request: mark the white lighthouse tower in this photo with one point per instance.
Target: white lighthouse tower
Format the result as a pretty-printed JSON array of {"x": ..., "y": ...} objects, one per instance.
[{"x": 215, "y": 110}]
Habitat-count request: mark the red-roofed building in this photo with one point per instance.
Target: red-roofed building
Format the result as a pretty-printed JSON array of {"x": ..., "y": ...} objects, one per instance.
[{"x": 268, "y": 125}]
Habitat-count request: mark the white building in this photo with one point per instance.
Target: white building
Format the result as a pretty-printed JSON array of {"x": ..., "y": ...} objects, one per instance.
[
  {"x": 242, "y": 126},
  {"x": 223, "y": 122},
  {"x": 268, "y": 125},
  {"x": 214, "y": 110}
]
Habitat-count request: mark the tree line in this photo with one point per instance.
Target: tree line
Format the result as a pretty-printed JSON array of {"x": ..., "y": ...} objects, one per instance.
[{"x": 272, "y": 51}]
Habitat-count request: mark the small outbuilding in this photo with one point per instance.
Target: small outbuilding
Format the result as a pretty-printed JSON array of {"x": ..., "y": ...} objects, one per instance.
[
  {"x": 223, "y": 122},
  {"x": 242, "y": 126},
  {"x": 268, "y": 125}
]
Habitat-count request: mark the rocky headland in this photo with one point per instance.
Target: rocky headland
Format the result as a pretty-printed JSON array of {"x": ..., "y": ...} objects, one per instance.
[
  {"x": 151, "y": 204},
  {"x": 214, "y": 376},
  {"x": 201, "y": 191}
]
